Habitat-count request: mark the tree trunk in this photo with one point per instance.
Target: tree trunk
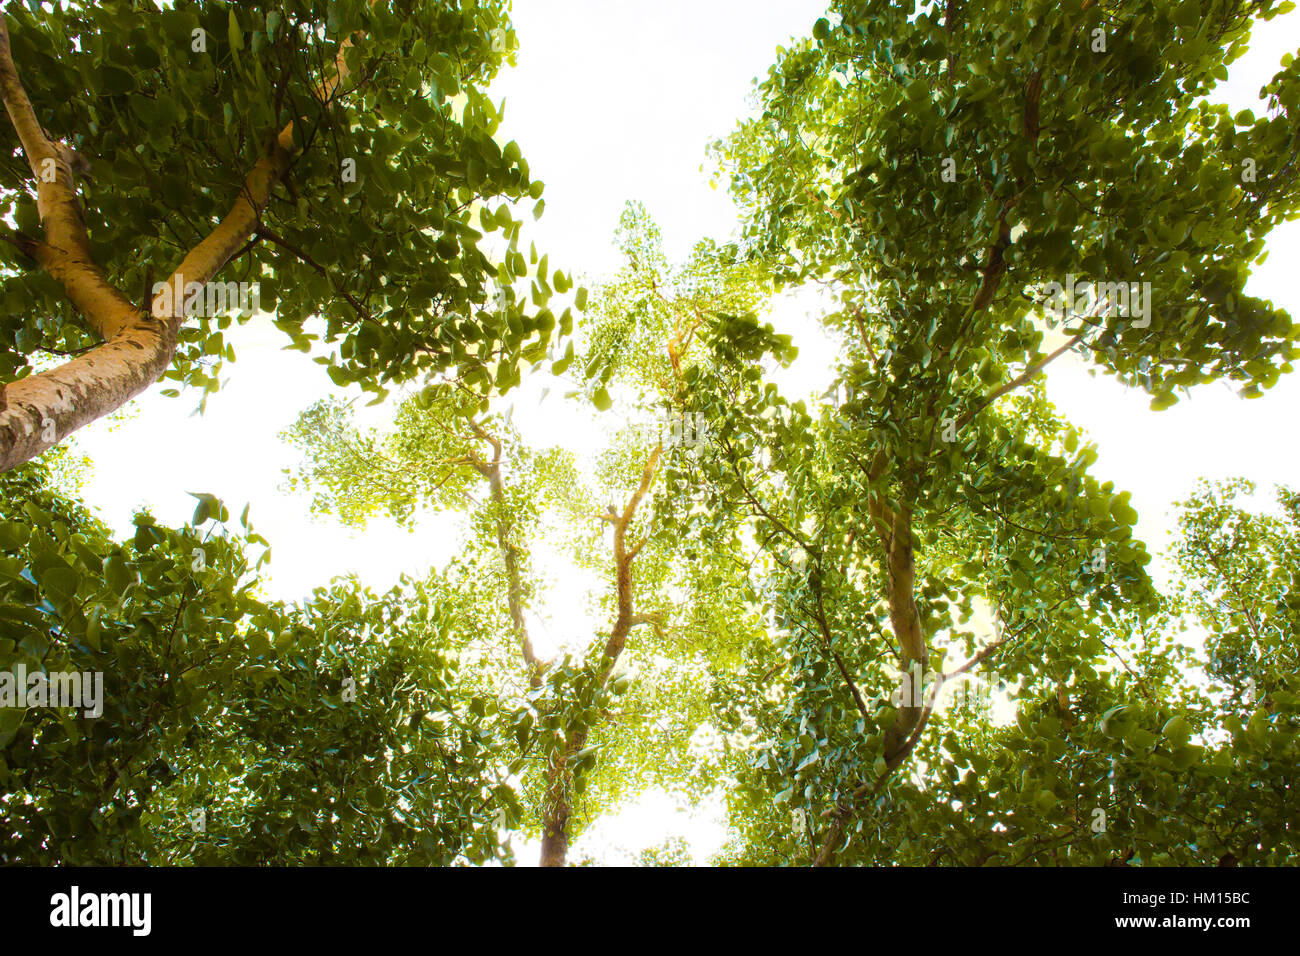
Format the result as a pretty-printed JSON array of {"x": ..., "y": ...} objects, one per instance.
[
  {"x": 39, "y": 411},
  {"x": 895, "y": 532},
  {"x": 906, "y": 622},
  {"x": 555, "y": 820},
  {"x": 555, "y": 823}
]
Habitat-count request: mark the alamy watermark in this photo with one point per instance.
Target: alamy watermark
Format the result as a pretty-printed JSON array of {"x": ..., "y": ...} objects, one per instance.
[
  {"x": 933, "y": 688},
  {"x": 207, "y": 298},
  {"x": 688, "y": 430},
  {"x": 1106, "y": 299},
  {"x": 129, "y": 910},
  {"x": 55, "y": 689}
]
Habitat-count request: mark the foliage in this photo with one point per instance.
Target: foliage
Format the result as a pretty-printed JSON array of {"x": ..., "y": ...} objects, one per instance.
[
  {"x": 232, "y": 731},
  {"x": 775, "y": 587},
  {"x": 378, "y": 242},
  {"x": 935, "y": 173}
]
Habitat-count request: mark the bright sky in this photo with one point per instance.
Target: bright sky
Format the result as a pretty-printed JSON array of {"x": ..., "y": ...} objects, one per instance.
[{"x": 615, "y": 100}]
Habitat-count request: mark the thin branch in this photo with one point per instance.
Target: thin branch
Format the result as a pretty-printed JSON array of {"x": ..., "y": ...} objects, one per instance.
[{"x": 1019, "y": 380}]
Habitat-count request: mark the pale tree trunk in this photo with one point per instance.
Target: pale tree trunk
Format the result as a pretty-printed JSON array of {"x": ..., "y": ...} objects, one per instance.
[
  {"x": 555, "y": 843},
  {"x": 894, "y": 530},
  {"x": 559, "y": 799},
  {"x": 906, "y": 623},
  {"x": 38, "y": 411},
  {"x": 555, "y": 822},
  {"x": 491, "y": 471},
  {"x": 557, "y": 803}
]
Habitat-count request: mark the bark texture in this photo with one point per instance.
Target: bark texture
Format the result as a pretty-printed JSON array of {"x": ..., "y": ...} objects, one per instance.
[{"x": 40, "y": 410}]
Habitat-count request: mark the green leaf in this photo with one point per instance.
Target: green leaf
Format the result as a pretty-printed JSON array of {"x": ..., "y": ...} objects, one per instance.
[
  {"x": 60, "y": 582},
  {"x": 116, "y": 574},
  {"x": 235, "y": 33},
  {"x": 1176, "y": 730},
  {"x": 209, "y": 506},
  {"x": 1137, "y": 738},
  {"x": 13, "y": 535}
]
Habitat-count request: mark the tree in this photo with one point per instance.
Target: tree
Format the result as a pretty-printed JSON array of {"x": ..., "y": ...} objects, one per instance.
[
  {"x": 938, "y": 173},
  {"x": 644, "y": 324},
  {"x": 229, "y": 730},
  {"x": 336, "y": 158},
  {"x": 440, "y": 447},
  {"x": 1240, "y": 586},
  {"x": 902, "y": 622}
]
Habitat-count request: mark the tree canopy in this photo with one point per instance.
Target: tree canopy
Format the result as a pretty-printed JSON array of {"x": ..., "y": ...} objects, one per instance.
[
  {"x": 903, "y": 621},
  {"x": 157, "y": 147}
]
